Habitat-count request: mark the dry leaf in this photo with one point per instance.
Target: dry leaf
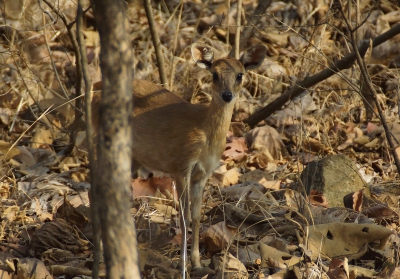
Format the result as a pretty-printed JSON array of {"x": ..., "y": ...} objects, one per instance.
[
  {"x": 341, "y": 239},
  {"x": 227, "y": 266},
  {"x": 5, "y": 149},
  {"x": 235, "y": 149},
  {"x": 272, "y": 257},
  {"x": 226, "y": 177},
  {"x": 269, "y": 138},
  {"x": 218, "y": 237},
  {"x": 31, "y": 268},
  {"x": 338, "y": 269}
]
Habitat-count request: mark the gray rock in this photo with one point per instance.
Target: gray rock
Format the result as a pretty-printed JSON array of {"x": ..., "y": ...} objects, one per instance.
[{"x": 335, "y": 176}]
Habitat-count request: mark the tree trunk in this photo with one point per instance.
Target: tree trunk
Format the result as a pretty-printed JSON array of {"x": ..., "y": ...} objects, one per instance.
[{"x": 111, "y": 188}]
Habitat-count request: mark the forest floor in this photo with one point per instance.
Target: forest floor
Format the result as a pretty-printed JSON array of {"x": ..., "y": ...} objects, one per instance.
[{"x": 311, "y": 190}]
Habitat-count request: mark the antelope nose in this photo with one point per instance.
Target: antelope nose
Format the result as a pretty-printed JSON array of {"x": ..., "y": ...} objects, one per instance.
[{"x": 227, "y": 96}]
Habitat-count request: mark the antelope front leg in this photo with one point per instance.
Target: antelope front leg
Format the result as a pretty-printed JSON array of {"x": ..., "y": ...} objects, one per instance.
[
  {"x": 196, "y": 196},
  {"x": 182, "y": 185}
]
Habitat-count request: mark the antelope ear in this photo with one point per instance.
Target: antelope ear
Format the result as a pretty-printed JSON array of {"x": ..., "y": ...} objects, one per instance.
[
  {"x": 253, "y": 57},
  {"x": 202, "y": 55}
]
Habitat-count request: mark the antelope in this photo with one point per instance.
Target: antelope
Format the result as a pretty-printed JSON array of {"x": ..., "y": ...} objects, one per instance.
[{"x": 186, "y": 140}]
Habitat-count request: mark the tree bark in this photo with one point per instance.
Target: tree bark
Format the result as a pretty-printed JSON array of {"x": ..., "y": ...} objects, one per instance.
[{"x": 114, "y": 141}]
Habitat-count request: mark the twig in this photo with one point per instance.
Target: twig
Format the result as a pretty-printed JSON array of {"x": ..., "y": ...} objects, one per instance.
[
  {"x": 372, "y": 91},
  {"x": 17, "y": 69},
  {"x": 78, "y": 85},
  {"x": 237, "y": 33},
  {"x": 345, "y": 63},
  {"x": 71, "y": 24},
  {"x": 184, "y": 235},
  {"x": 52, "y": 62},
  {"x": 24, "y": 132},
  {"x": 228, "y": 3},
  {"x": 89, "y": 137},
  {"x": 156, "y": 42},
  {"x": 254, "y": 20},
  {"x": 200, "y": 14},
  {"x": 53, "y": 20},
  {"x": 70, "y": 271},
  {"x": 173, "y": 65}
]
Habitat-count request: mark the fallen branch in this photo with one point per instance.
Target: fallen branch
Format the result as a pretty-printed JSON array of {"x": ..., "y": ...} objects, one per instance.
[
  {"x": 299, "y": 87},
  {"x": 61, "y": 270}
]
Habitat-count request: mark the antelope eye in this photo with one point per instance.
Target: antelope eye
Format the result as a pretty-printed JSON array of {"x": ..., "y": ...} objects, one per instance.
[
  {"x": 215, "y": 77},
  {"x": 239, "y": 78}
]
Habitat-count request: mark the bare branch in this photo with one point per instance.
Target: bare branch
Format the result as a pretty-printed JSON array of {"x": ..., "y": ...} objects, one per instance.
[
  {"x": 89, "y": 137},
  {"x": 173, "y": 64},
  {"x": 254, "y": 20},
  {"x": 156, "y": 42},
  {"x": 78, "y": 85},
  {"x": 237, "y": 34},
  {"x": 299, "y": 87},
  {"x": 372, "y": 92}
]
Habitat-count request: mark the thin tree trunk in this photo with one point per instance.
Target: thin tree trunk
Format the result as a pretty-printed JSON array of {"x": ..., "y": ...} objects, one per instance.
[
  {"x": 249, "y": 29},
  {"x": 114, "y": 141},
  {"x": 156, "y": 43},
  {"x": 89, "y": 137}
]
